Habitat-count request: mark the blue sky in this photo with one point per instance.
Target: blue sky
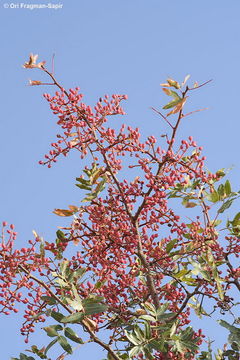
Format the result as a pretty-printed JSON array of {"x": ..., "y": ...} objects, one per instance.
[{"x": 108, "y": 46}]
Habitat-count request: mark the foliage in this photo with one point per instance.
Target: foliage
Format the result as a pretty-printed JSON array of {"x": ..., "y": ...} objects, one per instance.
[{"x": 140, "y": 267}]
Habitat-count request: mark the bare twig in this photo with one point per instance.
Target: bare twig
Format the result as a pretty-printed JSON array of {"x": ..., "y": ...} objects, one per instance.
[
  {"x": 53, "y": 63},
  {"x": 164, "y": 117},
  {"x": 193, "y": 112},
  {"x": 197, "y": 87}
]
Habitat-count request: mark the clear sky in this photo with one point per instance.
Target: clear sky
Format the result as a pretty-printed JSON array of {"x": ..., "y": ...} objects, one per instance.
[{"x": 108, "y": 46}]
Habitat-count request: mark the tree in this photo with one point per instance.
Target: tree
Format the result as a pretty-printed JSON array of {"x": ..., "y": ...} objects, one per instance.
[{"x": 131, "y": 265}]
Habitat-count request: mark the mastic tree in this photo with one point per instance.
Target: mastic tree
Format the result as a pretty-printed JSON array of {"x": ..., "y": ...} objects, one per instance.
[{"x": 144, "y": 251}]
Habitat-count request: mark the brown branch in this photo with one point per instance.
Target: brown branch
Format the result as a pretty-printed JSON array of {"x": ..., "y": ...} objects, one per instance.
[
  {"x": 150, "y": 282},
  {"x": 55, "y": 81},
  {"x": 45, "y": 286},
  {"x": 188, "y": 297},
  {"x": 178, "y": 122},
  {"x": 81, "y": 114},
  {"x": 135, "y": 217}
]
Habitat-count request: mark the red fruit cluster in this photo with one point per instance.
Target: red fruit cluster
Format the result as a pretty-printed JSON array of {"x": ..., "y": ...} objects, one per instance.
[
  {"x": 17, "y": 284},
  {"x": 133, "y": 244}
]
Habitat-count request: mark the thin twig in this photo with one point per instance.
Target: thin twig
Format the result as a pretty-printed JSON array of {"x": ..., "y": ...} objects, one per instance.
[
  {"x": 53, "y": 63},
  {"x": 197, "y": 87},
  {"x": 164, "y": 117},
  {"x": 177, "y": 123},
  {"x": 192, "y": 112}
]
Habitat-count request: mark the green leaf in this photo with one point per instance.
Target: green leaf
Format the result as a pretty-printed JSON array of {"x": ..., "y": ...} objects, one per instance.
[
  {"x": 227, "y": 186},
  {"x": 149, "y": 307},
  {"x": 231, "y": 328},
  {"x": 64, "y": 344},
  {"x": 139, "y": 333},
  {"x": 70, "y": 333},
  {"x": 52, "y": 330},
  {"x": 95, "y": 175},
  {"x": 197, "y": 268},
  {"x": 89, "y": 197},
  {"x": 170, "y": 245},
  {"x": 148, "y": 318},
  {"x": 205, "y": 355},
  {"x": 198, "y": 309},
  {"x": 83, "y": 181},
  {"x": 225, "y": 206},
  {"x": 135, "y": 351},
  {"x": 213, "y": 197},
  {"x": 162, "y": 309},
  {"x": 173, "y": 83},
  {"x": 78, "y": 274},
  {"x": 42, "y": 248},
  {"x": 221, "y": 172},
  {"x": 165, "y": 317},
  {"x": 84, "y": 187},
  {"x": 74, "y": 318},
  {"x": 172, "y": 93},
  {"x": 173, "y": 329},
  {"x": 62, "y": 283},
  {"x": 50, "y": 345},
  {"x": 132, "y": 338},
  {"x": 49, "y": 300},
  {"x": 175, "y": 95},
  {"x": 235, "y": 346},
  {"x": 60, "y": 235},
  {"x": 84, "y": 184},
  {"x": 147, "y": 352},
  {"x": 236, "y": 220},
  {"x": 215, "y": 222},
  {"x": 121, "y": 356},
  {"x": 187, "y": 236},
  {"x": 101, "y": 186},
  {"x": 64, "y": 266},
  {"x": 99, "y": 284},
  {"x": 77, "y": 298},
  {"x": 75, "y": 304},
  {"x": 220, "y": 289},
  {"x": 92, "y": 306},
  {"x": 181, "y": 273},
  {"x": 185, "y": 341},
  {"x": 147, "y": 330},
  {"x": 25, "y": 357},
  {"x": 172, "y": 103},
  {"x": 158, "y": 345},
  {"x": 57, "y": 316},
  {"x": 221, "y": 191}
]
